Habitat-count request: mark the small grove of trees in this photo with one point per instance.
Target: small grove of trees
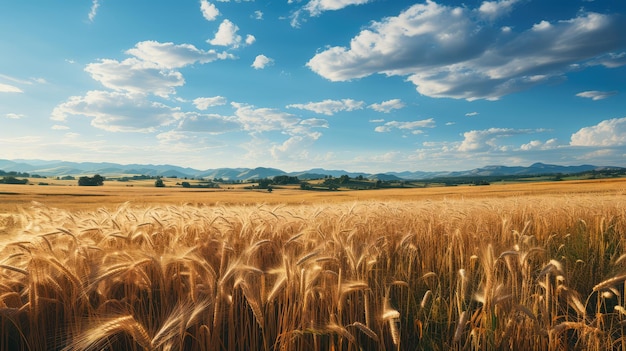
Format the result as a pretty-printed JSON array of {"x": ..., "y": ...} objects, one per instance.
[
  {"x": 159, "y": 183},
  {"x": 14, "y": 174},
  {"x": 13, "y": 180},
  {"x": 96, "y": 180}
]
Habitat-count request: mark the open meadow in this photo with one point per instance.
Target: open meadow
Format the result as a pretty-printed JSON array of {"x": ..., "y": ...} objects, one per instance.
[{"x": 526, "y": 266}]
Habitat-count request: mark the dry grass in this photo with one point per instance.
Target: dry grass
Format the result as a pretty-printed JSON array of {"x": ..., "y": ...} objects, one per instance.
[{"x": 522, "y": 272}]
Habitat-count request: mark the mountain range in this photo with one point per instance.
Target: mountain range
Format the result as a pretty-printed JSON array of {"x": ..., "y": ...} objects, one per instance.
[{"x": 63, "y": 168}]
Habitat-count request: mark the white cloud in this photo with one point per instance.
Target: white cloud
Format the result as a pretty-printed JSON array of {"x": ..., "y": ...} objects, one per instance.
[
  {"x": 209, "y": 11},
  {"x": 169, "y": 55},
  {"x": 315, "y": 122},
  {"x": 211, "y": 123},
  {"x": 259, "y": 120},
  {"x": 60, "y": 127},
  {"x": 261, "y": 61},
  {"x": 596, "y": 95},
  {"x": 540, "y": 145},
  {"x": 264, "y": 119},
  {"x": 413, "y": 126},
  {"x": 117, "y": 112},
  {"x": 226, "y": 35},
  {"x": 204, "y": 103},
  {"x": 496, "y": 9},
  {"x": 471, "y": 114},
  {"x": 131, "y": 75},
  {"x": 14, "y": 115},
  {"x": 483, "y": 140},
  {"x": 316, "y": 7},
  {"x": 151, "y": 70},
  {"x": 5, "y": 88},
  {"x": 611, "y": 132},
  {"x": 94, "y": 10},
  {"x": 330, "y": 107},
  {"x": 258, "y": 15},
  {"x": 387, "y": 106},
  {"x": 449, "y": 52}
]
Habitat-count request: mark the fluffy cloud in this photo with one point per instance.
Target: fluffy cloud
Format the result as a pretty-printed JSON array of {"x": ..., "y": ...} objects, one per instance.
[
  {"x": 496, "y": 9},
  {"x": 540, "y": 145},
  {"x": 471, "y": 114},
  {"x": 264, "y": 119},
  {"x": 14, "y": 116},
  {"x": 211, "y": 123},
  {"x": 611, "y": 132},
  {"x": 5, "y": 88},
  {"x": 117, "y": 112},
  {"x": 226, "y": 35},
  {"x": 387, "y": 106},
  {"x": 209, "y": 11},
  {"x": 316, "y": 7},
  {"x": 483, "y": 140},
  {"x": 259, "y": 120},
  {"x": 413, "y": 126},
  {"x": 596, "y": 95},
  {"x": 330, "y": 107},
  {"x": 152, "y": 68},
  {"x": 131, "y": 75},
  {"x": 204, "y": 103},
  {"x": 261, "y": 61},
  {"x": 169, "y": 55},
  {"x": 449, "y": 52}
]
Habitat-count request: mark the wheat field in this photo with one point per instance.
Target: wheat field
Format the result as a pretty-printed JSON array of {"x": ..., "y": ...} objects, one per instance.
[{"x": 541, "y": 272}]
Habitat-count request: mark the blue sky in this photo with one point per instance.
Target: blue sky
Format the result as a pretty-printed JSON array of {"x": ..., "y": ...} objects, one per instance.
[{"x": 361, "y": 85}]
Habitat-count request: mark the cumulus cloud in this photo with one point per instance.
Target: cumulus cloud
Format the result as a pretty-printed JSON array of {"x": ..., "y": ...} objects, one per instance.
[
  {"x": 204, "y": 103},
  {"x": 387, "y": 106},
  {"x": 496, "y": 9},
  {"x": 264, "y": 119},
  {"x": 261, "y": 120},
  {"x": 207, "y": 123},
  {"x": 117, "y": 112},
  {"x": 258, "y": 15},
  {"x": 611, "y": 132},
  {"x": 151, "y": 70},
  {"x": 596, "y": 95},
  {"x": 471, "y": 114},
  {"x": 169, "y": 55},
  {"x": 6, "y": 88},
  {"x": 483, "y": 140},
  {"x": 226, "y": 35},
  {"x": 540, "y": 145},
  {"x": 316, "y": 7},
  {"x": 209, "y": 11},
  {"x": 133, "y": 76},
  {"x": 261, "y": 61},
  {"x": 14, "y": 115},
  {"x": 414, "y": 127},
  {"x": 448, "y": 51},
  {"x": 60, "y": 127},
  {"x": 330, "y": 107}
]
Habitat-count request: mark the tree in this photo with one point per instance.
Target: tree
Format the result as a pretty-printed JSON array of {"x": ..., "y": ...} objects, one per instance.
[
  {"x": 96, "y": 180},
  {"x": 13, "y": 180},
  {"x": 159, "y": 183},
  {"x": 185, "y": 185}
]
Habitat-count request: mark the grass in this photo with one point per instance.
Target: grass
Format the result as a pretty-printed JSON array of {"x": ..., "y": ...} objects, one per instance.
[{"x": 536, "y": 272}]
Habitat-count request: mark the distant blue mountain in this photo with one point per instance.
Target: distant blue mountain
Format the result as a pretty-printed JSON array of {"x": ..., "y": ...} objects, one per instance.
[{"x": 62, "y": 168}]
